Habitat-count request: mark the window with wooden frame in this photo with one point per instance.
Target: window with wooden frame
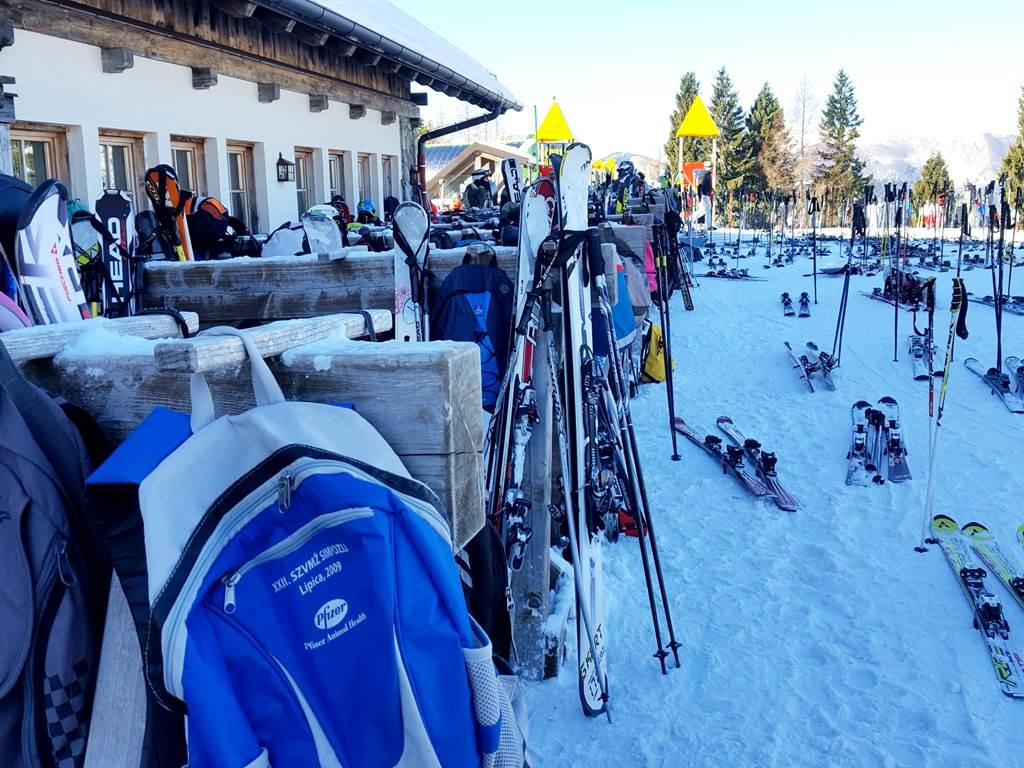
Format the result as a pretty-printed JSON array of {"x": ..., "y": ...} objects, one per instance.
[
  {"x": 188, "y": 161},
  {"x": 336, "y": 170},
  {"x": 303, "y": 187},
  {"x": 242, "y": 185},
  {"x": 39, "y": 152},
  {"x": 121, "y": 164},
  {"x": 387, "y": 168},
  {"x": 365, "y": 187}
]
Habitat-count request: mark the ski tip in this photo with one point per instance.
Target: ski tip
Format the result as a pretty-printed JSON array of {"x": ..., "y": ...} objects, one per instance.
[
  {"x": 976, "y": 532},
  {"x": 724, "y": 420},
  {"x": 1020, "y": 535},
  {"x": 944, "y": 524},
  {"x": 861, "y": 404}
]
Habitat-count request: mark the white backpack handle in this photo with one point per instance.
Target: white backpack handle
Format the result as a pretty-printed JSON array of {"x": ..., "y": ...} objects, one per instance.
[{"x": 264, "y": 386}]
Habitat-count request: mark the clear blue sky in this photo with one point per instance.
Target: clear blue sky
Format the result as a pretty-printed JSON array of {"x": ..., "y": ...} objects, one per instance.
[{"x": 935, "y": 68}]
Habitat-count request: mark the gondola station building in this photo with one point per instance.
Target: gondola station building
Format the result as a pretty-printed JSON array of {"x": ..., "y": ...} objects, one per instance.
[{"x": 270, "y": 107}]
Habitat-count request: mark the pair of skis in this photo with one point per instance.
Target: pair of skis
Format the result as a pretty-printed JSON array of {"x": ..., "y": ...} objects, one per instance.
[
  {"x": 1000, "y": 383},
  {"x": 815, "y": 361},
  {"x": 787, "y": 305},
  {"x": 764, "y": 481},
  {"x": 964, "y": 550},
  {"x": 877, "y": 437}
]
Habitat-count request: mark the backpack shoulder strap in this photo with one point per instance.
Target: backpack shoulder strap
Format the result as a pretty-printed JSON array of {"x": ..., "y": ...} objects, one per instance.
[{"x": 53, "y": 438}]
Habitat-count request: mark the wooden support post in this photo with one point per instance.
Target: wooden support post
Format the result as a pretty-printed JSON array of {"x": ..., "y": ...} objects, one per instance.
[
  {"x": 234, "y": 290},
  {"x": 318, "y": 102},
  {"x": 275, "y": 22},
  {"x": 367, "y": 58},
  {"x": 116, "y": 60},
  {"x": 311, "y": 36},
  {"x": 6, "y": 34},
  {"x": 236, "y": 9},
  {"x": 531, "y": 585},
  {"x": 6, "y": 113},
  {"x": 118, "y": 722},
  {"x": 268, "y": 92},
  {"x": 203, "y": 78}
]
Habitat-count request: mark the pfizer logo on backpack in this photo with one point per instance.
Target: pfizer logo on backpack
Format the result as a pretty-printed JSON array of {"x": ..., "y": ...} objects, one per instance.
[{"x": 330, "y": 614}]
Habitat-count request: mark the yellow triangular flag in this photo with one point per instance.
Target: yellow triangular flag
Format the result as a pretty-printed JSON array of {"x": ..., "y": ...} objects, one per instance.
[
  {"x": 553, "y": 127},
  {"x": 698, "y": 121}
]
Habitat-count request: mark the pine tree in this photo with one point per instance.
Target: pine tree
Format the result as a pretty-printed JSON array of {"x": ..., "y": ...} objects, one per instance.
[
  {"x": 1013, "y": 162},
  {"x": 693, "y": 148},
  {"x": 838, "y": 168},
  {"x": 766, "y": 145},
  {"x": 728, "y": 116},
  {"x": 934, "y": 181}
]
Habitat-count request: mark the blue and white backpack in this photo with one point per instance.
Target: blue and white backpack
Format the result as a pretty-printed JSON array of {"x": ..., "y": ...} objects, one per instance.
[{"x": 305, "y": 607}]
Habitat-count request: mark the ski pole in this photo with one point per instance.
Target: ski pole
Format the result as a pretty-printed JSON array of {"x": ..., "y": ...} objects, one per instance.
[
  {"x": 812, "y": 210},
  {"x": 957, "y": 327},
  {"x": 666, "y": 326}
]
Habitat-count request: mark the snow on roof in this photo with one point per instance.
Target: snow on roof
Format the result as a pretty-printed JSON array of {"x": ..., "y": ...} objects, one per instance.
[{"x": 395, "y": 24}]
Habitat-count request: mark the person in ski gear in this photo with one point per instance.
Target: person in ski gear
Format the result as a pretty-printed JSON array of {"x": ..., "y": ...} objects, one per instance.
[{"x": 478, "y": 192}]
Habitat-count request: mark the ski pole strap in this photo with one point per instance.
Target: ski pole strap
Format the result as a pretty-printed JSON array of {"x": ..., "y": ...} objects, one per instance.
[{"x": 958, "y": 306}]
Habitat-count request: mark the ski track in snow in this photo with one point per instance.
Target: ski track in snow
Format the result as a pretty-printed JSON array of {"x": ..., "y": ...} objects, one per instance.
[{"x": 820, "y": 637}]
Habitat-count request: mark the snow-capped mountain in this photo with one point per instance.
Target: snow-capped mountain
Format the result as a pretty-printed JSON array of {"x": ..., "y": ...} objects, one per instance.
[{"x": 969, "y": 158}]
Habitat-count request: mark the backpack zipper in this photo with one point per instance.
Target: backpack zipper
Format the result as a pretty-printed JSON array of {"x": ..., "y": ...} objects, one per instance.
[{"x": 289, "y": 545}]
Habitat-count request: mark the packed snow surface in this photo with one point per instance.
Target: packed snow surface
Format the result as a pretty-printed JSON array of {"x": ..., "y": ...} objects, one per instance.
[{"x": 820, "y": 637}]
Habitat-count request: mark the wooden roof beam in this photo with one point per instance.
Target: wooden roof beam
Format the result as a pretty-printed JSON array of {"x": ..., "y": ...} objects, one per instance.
[{"x": 236, "y": 9}]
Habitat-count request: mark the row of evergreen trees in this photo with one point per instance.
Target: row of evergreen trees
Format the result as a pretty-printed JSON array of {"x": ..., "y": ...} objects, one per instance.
[{"x": 755, "y": 151}]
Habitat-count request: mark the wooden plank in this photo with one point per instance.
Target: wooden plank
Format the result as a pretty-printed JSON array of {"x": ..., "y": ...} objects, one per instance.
[
  {"x": 424, "y": 399},
  {"x": 531, "y": 585},
  {"x": 207, "y": 353},
  {"x": 119, "y": 706},
  {"x": 42, "y": 341},
  {"x": 235, "y": 290}
]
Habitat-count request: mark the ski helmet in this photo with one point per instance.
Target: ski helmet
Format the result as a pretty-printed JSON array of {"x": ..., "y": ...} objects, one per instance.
[{"x": 366, "y": 206}]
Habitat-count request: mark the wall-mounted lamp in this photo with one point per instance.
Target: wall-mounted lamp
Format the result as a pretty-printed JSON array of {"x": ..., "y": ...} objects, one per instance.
[{"x": 285, "y": 169}]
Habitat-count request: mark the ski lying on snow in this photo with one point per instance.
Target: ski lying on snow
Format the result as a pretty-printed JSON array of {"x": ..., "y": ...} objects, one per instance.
[
  {"x": 895, "y": 449},
  {"x": 999, "y": 383},
  {"x": 1016, "y": 368},
  {"x": 988, "y": 613},
  {"x": 825, "y": 364},
  {"x": 860, "y": 468},
  {"x": 995, "y": 557},
  {"x": 731, "y": 457},
  {"x": 763, "y": 462},
  {"x": 802, "y": 364}
]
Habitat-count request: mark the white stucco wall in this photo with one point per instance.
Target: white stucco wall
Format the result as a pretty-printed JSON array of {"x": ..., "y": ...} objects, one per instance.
[{"x": 62, "y": 83}]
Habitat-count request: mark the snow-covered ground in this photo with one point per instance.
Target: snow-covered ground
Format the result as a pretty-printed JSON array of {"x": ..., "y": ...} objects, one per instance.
[{"x": 817, "y": 638}]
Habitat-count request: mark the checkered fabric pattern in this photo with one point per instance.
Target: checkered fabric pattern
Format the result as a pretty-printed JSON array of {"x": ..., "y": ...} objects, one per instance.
[{"x": 65, "y": 702}]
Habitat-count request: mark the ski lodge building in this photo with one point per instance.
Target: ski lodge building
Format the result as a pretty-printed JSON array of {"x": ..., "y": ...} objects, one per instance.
[{"x": 271, "y": 106}]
